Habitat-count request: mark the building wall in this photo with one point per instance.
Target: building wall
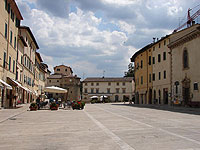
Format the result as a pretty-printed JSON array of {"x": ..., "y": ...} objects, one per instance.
[
  {"x": 161, "y": 87},
  {"x": 62, "y": 69},
  {"x": 103, "y": 90},
  {"x": 190, "y": 42},
  {"x": 10, "y": 48},
  {"x": 141, "y": 64}
]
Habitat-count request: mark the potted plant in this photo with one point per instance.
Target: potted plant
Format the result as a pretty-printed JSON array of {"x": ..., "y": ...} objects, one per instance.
[
  {"x": 78, "y": 105},
  {"x": 53, "y": 106},
  {"x": 33, "y": 107}
]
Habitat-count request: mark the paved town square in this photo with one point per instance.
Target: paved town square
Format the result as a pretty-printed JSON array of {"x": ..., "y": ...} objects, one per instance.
[{"x": 112, "y": 126}]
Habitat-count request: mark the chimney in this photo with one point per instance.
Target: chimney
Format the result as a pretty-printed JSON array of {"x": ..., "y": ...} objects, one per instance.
[
  {"x": 154, "y": 39},
  {"x": 193, "y": 22}
]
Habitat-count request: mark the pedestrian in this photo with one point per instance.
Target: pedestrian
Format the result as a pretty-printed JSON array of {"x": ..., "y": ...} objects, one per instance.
[{"x": 38, "y": 102}]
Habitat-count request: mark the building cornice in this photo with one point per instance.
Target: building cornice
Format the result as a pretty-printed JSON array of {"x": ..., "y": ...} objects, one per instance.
[{"x": 184, "y": 39}]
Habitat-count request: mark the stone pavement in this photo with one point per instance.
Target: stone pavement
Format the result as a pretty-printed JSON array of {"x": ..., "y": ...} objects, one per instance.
[
  {"x": 113, "y": 126},
  {"x": 5, "y": 114}
]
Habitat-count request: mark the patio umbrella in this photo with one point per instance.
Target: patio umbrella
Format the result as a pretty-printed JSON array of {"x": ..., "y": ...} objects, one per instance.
[
  {"x": 94, "y": 97},
  {"x": 54, "y": 89}
]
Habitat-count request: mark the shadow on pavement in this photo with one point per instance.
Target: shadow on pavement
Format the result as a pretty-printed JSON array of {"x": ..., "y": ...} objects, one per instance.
[{"x": 187, "y": 110}]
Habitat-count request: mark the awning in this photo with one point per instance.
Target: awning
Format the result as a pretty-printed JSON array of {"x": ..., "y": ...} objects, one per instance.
[
  {"x": 19, "y": 85},
  {"x": 25, "y": 88},
  {"x": 54, "y": 89},
  {"x": 6, "y": 84}
]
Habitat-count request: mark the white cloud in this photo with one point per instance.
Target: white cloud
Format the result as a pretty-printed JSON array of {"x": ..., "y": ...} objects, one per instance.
[{"x": 121, "y": 2}]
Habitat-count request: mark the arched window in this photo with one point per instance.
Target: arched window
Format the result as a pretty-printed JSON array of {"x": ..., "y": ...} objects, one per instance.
[{"x": 185, "y": 59}]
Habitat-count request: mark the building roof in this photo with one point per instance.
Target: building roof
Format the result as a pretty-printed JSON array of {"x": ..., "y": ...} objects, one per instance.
[
  {"x": 140, "y": 51},
  {"x": 38, "y": 55},
  {"x": 146, "y": 48},
  {"x": 63, "y": 66},
  {"x": 16, "y": 9},
  {"x": 31, "y": 34},
  {"x": 119, "y": 79}
]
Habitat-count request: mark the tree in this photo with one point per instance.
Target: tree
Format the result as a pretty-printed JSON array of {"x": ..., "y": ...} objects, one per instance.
[{"x": 130, "y": 72}]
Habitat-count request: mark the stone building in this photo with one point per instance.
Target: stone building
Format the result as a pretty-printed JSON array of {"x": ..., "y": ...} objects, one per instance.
[
  {"x": 184, "y": 49},
  {"x": 10, "y": 18},
  {"x": 143, "y": 75},
  {"x": 161, "y": 71},
  {"x": 63, "y": 77},
  {"x": 116, "y": 89},
  {"x": 152, "y": 73}
]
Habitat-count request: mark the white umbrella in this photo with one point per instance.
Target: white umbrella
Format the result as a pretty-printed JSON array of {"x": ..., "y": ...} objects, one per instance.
[
  {"x": 94, "y": 97},
  {"x": 54, "y": 89},
  {"x": 104, "y": 96}
]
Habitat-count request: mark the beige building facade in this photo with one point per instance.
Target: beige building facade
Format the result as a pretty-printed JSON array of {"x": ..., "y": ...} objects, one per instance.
[
  {"x": 116, "y": 89},
  {"x": 10, "y": 18},
  {"x": 184, "y": 46},
  {"x": 63, "y": 77},
  {"x": 161, "y": 71}
]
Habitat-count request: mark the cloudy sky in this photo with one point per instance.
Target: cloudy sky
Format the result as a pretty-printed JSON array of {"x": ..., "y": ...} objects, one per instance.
[{"x": 96, "y": 36}]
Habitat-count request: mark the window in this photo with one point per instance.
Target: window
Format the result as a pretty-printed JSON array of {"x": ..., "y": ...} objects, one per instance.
[
  {"x": 154, "y": 77},
  {"x": 185, "y": 59},
  {"x": 138, "y": 65},
  {"x": 85, "y": 84},
  {"x": 149, "y": 60},
  {"x": 6, "y": 3},
  {"x": 108, "y": 90},
  {"x": 85, "y": 90},
  {"x": 195, "y": 86},
  {"x": 58, "y": 69},
  {"x": 4, "y": 60},
  {"x": 24, "y": 79},
  {"x": 158, "y": 57},
  {"x": 11, "y": 37},
  {"x": 164, "y": 74},
  {"x": 124, "y": 83},
  {"x": 49, "y": 81},
  {"x": 117, "y": 83},
  {"x": 164, "y": 55},
  {"x": 117, "y": 90},
  {"x": 141, "y": 80},
  {"x": 124, "y": 90},
  {"x": 150, "y": 78},
  {"x": 159, "y": 45},
  {"x": 92, "y": 90},
  {"x": 15, "y": 40},
  {"x": 6, "y": 30},
  {"x": 97, "y": 84},
  {"x": 153, "y": 60},
  {"x": 153, "y": 48},
  {"x": 97, "y": 90},
  {"x": 109, "y": 83},
  {"x": 9, "y": 65},
  {"x": 16, "y": 75},
  {"x": 141, "y": 63},
  {"x": 25, "y": 60},
  {"x": 57, "y": 80},
  {"x": 66, "y": 70},
  {"x": 21, "y": 59},
  {"x": 159, "y": 75},
  {"x": 13, "y": 66},
  {"x": 164, "y": 42},
  {"x": 92, "y": 84}
]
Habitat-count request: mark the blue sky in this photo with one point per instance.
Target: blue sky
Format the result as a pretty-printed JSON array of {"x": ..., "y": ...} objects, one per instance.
[{"x": 93, "y": 36}]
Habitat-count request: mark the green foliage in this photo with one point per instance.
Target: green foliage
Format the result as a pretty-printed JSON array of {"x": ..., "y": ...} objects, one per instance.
[
  {"x": 130, "y": 72},
  {"x": 33, "y": 105}
]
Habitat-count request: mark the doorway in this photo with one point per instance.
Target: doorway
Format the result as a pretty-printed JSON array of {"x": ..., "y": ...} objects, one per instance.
[
  {"x": 186, "y": 91},
  {"x": 165, "y": 96}
]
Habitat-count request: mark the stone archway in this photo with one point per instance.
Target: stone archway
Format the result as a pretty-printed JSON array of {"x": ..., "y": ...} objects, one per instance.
[{"x": 186, "y": 90}]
